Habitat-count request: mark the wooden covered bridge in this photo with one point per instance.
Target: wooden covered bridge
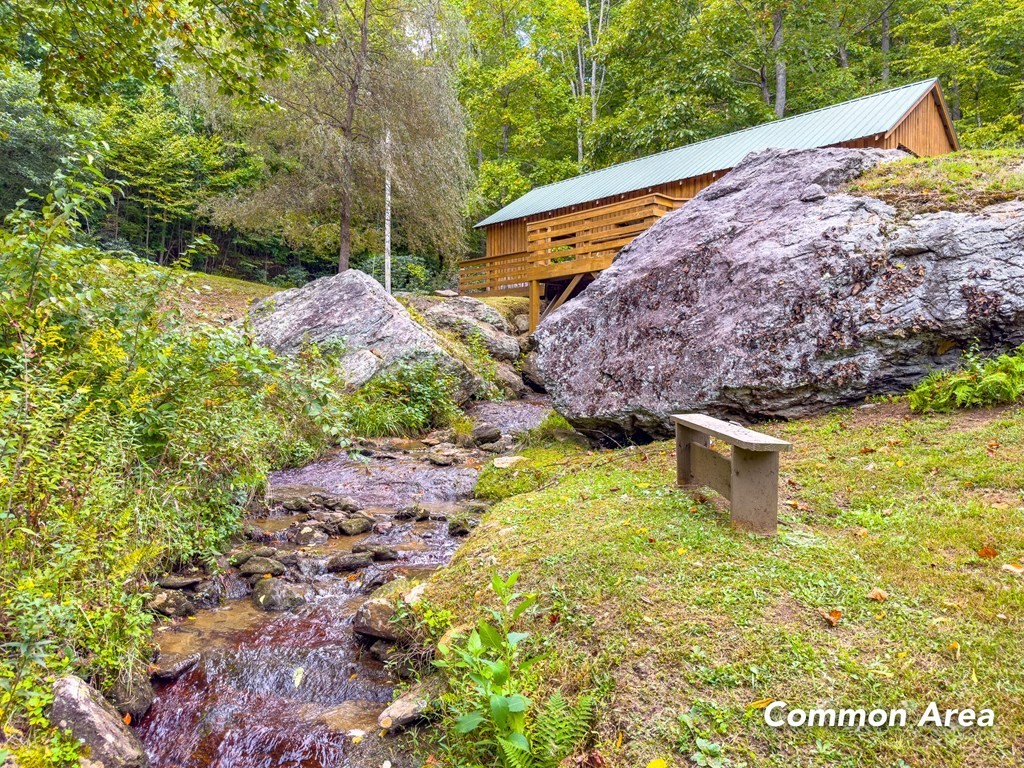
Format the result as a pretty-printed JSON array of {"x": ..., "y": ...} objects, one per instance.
[{"x": 552, "y": 241}]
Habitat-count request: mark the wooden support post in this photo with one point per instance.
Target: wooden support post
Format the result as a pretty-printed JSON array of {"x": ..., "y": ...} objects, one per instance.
[
  {"x": 754, "y": 504},
  {"x": 534, "y": 305},
  {"x": 685, "y": 438}
]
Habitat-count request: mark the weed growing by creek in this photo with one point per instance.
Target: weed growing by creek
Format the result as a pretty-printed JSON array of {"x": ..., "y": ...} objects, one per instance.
[{"x": 488, "y": 712}]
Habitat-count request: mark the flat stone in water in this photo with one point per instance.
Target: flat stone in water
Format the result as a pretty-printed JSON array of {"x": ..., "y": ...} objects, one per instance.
[{"x": 352, "y": 715}]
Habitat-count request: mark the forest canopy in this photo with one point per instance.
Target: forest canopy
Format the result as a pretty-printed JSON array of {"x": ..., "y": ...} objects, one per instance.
[{"x": 271, "y": 129}]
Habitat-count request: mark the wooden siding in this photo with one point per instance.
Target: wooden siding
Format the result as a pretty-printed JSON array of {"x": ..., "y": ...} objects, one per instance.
[{"x": 924, "y": 130}]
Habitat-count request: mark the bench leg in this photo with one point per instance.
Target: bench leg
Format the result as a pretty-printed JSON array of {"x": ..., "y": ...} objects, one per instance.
[
  {"x": 684, "y": 438},
  {"x": 755, "y": 490}
]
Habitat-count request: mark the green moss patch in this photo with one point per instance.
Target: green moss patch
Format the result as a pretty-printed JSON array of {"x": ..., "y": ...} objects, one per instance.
[{"x": 961, "y": 181}]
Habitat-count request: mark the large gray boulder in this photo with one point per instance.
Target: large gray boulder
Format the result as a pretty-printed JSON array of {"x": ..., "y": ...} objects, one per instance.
[
  {"x": 776, "y": 294},
  {"x": 352, "y": 315},
  {"x": 80, "y": 709}
]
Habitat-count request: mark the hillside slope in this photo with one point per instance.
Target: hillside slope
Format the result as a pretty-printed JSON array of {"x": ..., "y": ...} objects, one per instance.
[{"x": 698, "y": 626}]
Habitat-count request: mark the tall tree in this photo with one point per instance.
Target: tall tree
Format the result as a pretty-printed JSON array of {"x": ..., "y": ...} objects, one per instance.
[{"x": 379, "y": 69}]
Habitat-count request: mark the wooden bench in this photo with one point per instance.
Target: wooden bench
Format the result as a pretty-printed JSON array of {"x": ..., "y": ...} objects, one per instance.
[{"x": 749, "y": 479}]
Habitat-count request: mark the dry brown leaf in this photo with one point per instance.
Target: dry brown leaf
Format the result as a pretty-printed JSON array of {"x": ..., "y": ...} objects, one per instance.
[
  {"x": 987, "y": 552},
  {"x": 879, "y": 594},
  {"x": 127, "y": 719},
  {"x": 831, "y": 617}
]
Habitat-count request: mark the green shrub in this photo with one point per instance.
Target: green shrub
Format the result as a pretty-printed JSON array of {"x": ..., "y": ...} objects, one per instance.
[
  {"x": 131, "y": 442},
  {"x": 980, "y": 382},
  {"x": 489, "y": 717},
  {"x": 411, "y": 397}
]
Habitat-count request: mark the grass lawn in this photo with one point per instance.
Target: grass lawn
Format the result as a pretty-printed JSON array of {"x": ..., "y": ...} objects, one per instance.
[
  {"x": 218, "y": 300},
  {"x": 698, "y": 626}
]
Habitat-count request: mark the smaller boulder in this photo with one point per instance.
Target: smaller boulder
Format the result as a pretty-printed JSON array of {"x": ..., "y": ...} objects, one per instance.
[
  {"x": 521, "y": 323},
  {"x": 531, "y": 372},
  {"x": 176, "y": 581},
  {"x": 379, "y": 552},
  {"x": 484, "y": 433},
  {"x": 458, "y": 527},
  {"x": 355, "y": 526},
  {"x": 80, "y": 709},
  {"x": 511, "y": 380},
  {"x": 277, "y": 595},
  {"x": 132, "y": 693},
  {"x": 309, "y": 536},
  {"x": 444, "y": 455},
  {"x": 408, "y": 708},
  {"x": 349, "y": 563},
  {"x": 501, "y": 446},
  {"x": 170, "y": 668},
  {"x": 239, "y": 558},
  {"x": 261, "y": 566},
  {"x": 171, "y": 603},
  {"x": 208, "y": 593},
  {"x": 373, "y": 619}
]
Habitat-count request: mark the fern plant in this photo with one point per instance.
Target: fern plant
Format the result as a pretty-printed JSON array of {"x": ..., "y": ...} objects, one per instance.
[{"x": 980, "y": 382}]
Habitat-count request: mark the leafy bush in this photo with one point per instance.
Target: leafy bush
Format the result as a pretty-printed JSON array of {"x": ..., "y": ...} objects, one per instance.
[
  {"x": 980, "y": 382},
  {"x": 410, "y": 397},
  {"x": 131, "y": 441},
  {"x": 491, "y": 718}
]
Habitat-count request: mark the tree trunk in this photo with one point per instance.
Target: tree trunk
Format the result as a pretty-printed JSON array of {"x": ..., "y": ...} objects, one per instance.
[
  {"x": 780, "y": 64},
  {"x": 886, "y": 43},
  {"x": 387, "y": 210},
  {"x": 954, "y": 88},
  {"x": 348, "y": 131},
  {"x": 344, "y": 232}
]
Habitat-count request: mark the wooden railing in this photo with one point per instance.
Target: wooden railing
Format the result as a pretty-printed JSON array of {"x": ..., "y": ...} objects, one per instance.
[
  {"x": 571, "y": 244},
  {"x": 491, "y": 274},
  {"x": 587, "y": 241}
]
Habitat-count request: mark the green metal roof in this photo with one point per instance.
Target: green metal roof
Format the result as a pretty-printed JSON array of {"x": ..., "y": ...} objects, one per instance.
[{"x": 856, "y": 119}]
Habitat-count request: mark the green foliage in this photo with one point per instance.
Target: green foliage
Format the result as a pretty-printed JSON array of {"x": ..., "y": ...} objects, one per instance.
[
  {"x": 131, "y": 441},
  {"x": 488, "y": 713},
  {"x": 980, "y": 382},
  {"x": 553, "y": 428},
  {"x": 81, "y": 51},
  {"x": 408, "y": 398},
  {"x": 166, "y": 170}
]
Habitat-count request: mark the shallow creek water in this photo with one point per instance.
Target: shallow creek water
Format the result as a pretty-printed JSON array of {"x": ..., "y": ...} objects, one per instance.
[{"x": 273, "y": 690}]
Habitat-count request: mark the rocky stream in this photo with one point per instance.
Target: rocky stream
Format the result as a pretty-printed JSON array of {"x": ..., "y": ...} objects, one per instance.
[{"x": 286, "y": 665}]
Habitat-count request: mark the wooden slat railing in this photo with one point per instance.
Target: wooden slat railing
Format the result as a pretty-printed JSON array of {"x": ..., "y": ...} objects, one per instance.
[
  {"x": 505, "y": 274},
  {"x": 587, "y": 241},
  {"x": 571, "y": 244}
]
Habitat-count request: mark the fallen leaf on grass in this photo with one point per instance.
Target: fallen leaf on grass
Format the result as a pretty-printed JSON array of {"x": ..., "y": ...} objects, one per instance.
[
  {"x": 878, "y": 594},
  {"x": 659, "y": 763},
  {"x": 127, "y": 719},
  {"x": 1014, "y": 568},
  {"x": 831, "y": 617},
  {"x": 955, "y": 648},
  {"x": 760, "y": 703},
  {"x": 987, "y": 552}
]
